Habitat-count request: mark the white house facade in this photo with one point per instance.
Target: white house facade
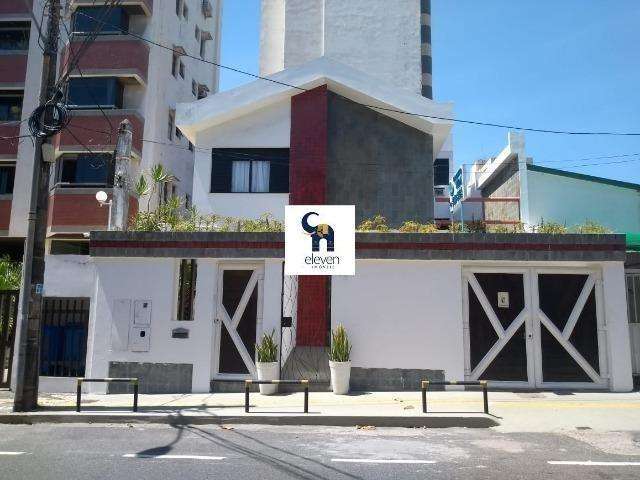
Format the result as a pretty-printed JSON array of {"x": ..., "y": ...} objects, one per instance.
[{"x": 183, "y": 311}]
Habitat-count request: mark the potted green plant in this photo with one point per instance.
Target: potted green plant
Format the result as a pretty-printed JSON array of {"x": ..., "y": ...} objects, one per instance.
[
  {"x": 267, "y": 364},
  {"x": 340, "y": 360}
]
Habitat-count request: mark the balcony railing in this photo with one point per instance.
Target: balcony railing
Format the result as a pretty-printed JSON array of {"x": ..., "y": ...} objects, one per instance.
[
  {"x": 5, "y": 213},
  {"x": 9, "y": 148},
  {"x": 134, "y": 7},
  {"x": 90, "y": 129},
  {"x": 76, "y": 210},
  {"x": 116, "y": 56},
  {"x": 14, "y": 7},
  {"x": 13, "y": 69}
]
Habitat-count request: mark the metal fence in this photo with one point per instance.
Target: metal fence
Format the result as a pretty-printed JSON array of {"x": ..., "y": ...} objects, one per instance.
[
  {"x": 64, "y": 336},
  {"x": 8, "y": 316},
  {"x": 633, "y": 305},
  {"x": 289, "y": 316}
]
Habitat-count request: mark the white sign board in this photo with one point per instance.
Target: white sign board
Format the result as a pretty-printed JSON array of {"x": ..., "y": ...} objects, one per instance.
[{"x": 320, "y": 240}]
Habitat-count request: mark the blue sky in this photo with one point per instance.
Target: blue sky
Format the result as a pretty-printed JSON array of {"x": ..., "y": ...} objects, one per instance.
[{"x": 556, "y": 64}]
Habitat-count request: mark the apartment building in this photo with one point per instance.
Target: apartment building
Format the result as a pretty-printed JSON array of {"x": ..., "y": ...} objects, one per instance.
[
  {"x": 119, "y": 76},
  {"x": 510, "y": 188}
]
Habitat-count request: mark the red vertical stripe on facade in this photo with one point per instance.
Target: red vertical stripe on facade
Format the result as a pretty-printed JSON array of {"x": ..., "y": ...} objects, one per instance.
[
  {"x": 308, "y": 185},
  {"x": 308, "y": 154},
  {"x": 311, "y": 328}
]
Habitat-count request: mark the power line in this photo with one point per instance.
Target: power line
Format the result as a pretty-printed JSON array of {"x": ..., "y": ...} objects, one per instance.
[
  {"x": 275, "y": 159},
  {"x": 605, "y": 157},
  {"x": 391, "y": 110}
]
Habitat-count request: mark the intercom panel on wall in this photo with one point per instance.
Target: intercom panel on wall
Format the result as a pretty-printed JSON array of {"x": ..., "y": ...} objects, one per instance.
[
  {"x": 142, "y": 312},
  {"x": 140, "y": 339}
]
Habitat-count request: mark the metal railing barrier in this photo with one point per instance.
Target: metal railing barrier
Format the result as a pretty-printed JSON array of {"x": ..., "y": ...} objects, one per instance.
[
  {"x": 481, "y": 383},
  {"x": 133, "y": 381},
  {"x": 248, "y": 383}
]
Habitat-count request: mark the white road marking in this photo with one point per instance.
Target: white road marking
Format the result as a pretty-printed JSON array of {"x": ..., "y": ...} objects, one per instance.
[
  {"x": 589, "y": 463},
  {"x": 375, "y": 460},
  {"x": 173, "y": 457},
  {"x": 12, "y": 453}
]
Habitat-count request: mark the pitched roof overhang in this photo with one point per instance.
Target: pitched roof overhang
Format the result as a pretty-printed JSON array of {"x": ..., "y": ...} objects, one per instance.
[{"x": 426, "y": 115}]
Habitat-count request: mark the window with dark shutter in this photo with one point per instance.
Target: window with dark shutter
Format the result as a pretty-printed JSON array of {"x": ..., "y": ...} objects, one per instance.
[
  {"x": 223, "y": 171},
  {"x": 220, "y": 172},
  {"x": 279, "y": 175},
  {"x": 186, "y": 289},
  {"x": 441, "y": 171}
]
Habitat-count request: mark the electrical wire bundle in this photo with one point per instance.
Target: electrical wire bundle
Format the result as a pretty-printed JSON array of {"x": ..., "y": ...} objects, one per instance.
[{"x": 49, "y": 118}]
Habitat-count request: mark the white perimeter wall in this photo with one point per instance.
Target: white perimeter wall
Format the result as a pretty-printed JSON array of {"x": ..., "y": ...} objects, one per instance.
[
  {"x": 616, "y": 316},
  {"x": 403, "y": 314},
  {"x": 408, "y": 314},
  {"x": 155, "y": 280},
  {"x": 266, "y": 128},
  {"x": 399, "y": 313},
  {"x": 571, "y": 201}
]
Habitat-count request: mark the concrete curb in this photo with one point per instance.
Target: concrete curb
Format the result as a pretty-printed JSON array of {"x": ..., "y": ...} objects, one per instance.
[{"x": 426, "y": 421}]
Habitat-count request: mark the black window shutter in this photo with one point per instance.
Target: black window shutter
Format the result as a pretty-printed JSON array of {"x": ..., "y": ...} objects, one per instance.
[
  {"x": 279, "y": 177},
  {"x": 220, "y": 173}
]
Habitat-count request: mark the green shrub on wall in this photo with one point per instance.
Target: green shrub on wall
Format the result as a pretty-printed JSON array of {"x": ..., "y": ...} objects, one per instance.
[
  {"x": 10, "y": 274},
  {"x": 506, "y": 228},
  {"x": 416, "y": 227},
  {"x": 591, "y": 227},
  {"x": 551, "y": 227},
  {"x": 375, "y": 224}
]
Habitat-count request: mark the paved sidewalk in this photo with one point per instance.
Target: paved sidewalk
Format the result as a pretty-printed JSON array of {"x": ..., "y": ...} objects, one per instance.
[{"x": 510, "y": 411}]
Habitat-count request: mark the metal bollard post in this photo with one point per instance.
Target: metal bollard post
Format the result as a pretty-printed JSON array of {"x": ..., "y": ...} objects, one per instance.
[
  {"x": 306, "y": 395},
  {"x": 247, "y": 384},
  {"x": 425, "y": 384},
  {"x": 135, "y": 396},
  {"x": 485, "y": 396},
  {"x": 78, "y": 394}
]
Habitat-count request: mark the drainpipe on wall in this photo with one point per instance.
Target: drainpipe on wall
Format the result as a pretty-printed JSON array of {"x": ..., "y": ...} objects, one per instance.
[{"x": 120, "y": 199}]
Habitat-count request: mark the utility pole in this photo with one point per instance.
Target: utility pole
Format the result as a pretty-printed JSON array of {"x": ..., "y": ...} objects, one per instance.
[
  {"x": 29, "y": 324},
  {"x": 120, "y": 198}
]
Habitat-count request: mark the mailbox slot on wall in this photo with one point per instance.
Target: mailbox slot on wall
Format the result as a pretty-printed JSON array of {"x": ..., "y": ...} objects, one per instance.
[{"x": 180, "y": 333}]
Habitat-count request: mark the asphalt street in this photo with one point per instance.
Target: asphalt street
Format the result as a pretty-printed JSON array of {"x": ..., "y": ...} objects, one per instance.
[{"x": 265, "y": 452}]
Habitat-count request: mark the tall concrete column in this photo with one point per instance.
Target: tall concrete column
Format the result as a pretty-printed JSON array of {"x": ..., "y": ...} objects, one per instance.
[{"x": 120, "y": 198}]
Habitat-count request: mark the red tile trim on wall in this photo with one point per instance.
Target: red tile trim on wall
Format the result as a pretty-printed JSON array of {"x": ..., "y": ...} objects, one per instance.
[
  {"x": 308, "y": 186},
  {"x": 451, "y": 246}
]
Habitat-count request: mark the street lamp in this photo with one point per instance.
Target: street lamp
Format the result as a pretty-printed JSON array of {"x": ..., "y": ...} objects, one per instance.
[{"x": 101, "y": 197}]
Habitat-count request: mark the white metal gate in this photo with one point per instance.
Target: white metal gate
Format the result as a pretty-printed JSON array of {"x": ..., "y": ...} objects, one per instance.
[{"x": 530, "y": 327}]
